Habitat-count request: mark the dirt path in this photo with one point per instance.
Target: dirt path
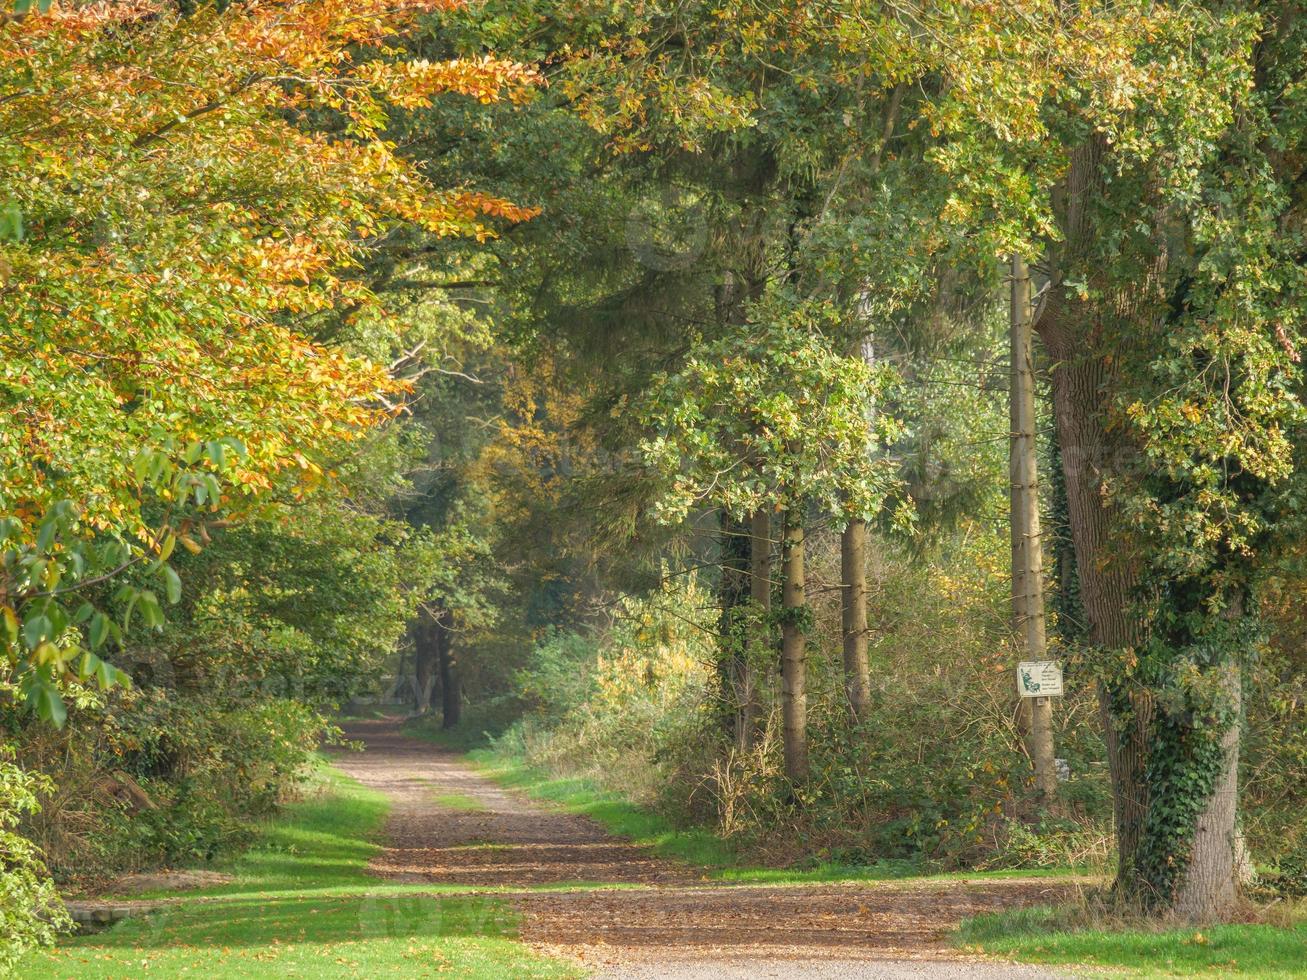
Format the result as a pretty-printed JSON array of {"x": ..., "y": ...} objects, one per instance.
[{"x": 452, "y": 826}]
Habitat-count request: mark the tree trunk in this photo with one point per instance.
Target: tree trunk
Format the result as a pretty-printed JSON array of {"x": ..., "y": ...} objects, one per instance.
[
  {"x": 794, "y": 695},
  {"x": 451, "y": 684},
  {"x": 1209, "y": 885},
  {"x": 853, "y": 596},
  {"x": 1108, "y": 567},
  {"x": 732, "y": 593},
  {"x": 1028, "y": 619},
  {"x": 1107, "y": 580},
  {"x": 425, "y": 656},
  {"x": 760, "y": 650}
]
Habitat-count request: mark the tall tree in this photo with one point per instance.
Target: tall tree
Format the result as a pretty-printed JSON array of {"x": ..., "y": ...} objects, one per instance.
[
  {"x": 770, "y": 416},
  {"x": 1137, "y": 137},
  {"x": 178, "y": 234}
]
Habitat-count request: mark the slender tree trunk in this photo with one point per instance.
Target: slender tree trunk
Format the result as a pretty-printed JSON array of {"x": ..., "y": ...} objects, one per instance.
[
  {"x": 451, "y": 685},
  {"x": 1028, "y": 619},
  {"x": 853, "y": 595},
  {"x": 733, "y": 591},
  {"x": 794, "y": 694},
  {"x": 760, "y": 649}
]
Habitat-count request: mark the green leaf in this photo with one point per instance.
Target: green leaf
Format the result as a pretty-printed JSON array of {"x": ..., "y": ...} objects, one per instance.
[
  {"x": 44, "y": 699},
  {"x": 95, "y": 668},
  {"x": 151, "y": 611},
  {"x": 98, "y": 630},
  {"x": 45, "y": 537},
  {"x": 11, "y": 215},
  {"x": 37, "y": 628},
  {"x": 217, "y": 452},
  {"x": 172, "y": 583}
]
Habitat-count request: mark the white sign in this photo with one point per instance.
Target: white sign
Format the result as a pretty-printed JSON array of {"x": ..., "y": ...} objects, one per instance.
[{"x": 1039, "y": 679}]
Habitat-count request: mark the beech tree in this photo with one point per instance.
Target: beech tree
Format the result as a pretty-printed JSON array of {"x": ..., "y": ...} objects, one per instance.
[{"x": 172, "y": 229}]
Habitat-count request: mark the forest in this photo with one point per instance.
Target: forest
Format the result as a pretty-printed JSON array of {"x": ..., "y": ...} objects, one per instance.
[{"x": 691, "y": 433}]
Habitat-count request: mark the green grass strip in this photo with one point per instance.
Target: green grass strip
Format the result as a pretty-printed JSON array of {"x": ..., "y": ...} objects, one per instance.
[
  {"x": 1041, "y": 935},
  {"x": 302, "y": 905}
]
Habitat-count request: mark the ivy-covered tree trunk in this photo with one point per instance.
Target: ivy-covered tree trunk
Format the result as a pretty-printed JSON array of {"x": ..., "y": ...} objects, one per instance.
[
  {"x": 1210, "y": 882},
  {"x": 451, "y": 684},
  {"x": 1172, "y": 755},
  {"x": 1108, "y": 576},
  {"x": 794, "y": 691},
  {"x": 853, "y": 608}
]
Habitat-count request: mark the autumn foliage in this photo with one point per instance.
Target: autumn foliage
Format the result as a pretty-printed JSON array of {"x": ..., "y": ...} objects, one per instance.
[{"x": 189, "y": 196}]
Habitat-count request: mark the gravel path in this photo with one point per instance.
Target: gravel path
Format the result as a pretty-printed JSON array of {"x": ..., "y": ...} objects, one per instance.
[{"x": 450, "y": 825}]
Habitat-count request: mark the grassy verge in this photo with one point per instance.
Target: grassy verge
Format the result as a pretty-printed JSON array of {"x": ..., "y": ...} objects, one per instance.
[
  {"x": 477, "y": 728},
  {"x": 302, "y": 905},
  {"x": 696, "y": 846},
  {"x": 1048, "y": 936}
]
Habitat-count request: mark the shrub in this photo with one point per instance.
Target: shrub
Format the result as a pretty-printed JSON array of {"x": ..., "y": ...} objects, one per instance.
[
  {"x": 156, "y": 777},
  {"x": 636, "y": 709},
  {"x": 31, "y": 913}
]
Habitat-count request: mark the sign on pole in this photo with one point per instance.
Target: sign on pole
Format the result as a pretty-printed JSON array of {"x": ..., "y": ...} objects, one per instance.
[{"x": 1039, "y": 679}]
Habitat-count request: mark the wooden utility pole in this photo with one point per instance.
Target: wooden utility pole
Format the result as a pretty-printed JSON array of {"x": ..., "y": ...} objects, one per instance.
[{"x": 1027, "y": 549}]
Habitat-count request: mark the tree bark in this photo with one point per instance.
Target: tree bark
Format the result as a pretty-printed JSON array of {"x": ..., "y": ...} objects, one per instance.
[
  {"x": 794, "y": 695},
  {"x": 732, "y": 592},
  {"x": 853, "y": 596},
  {"x": 1084, "y": 382},
  {"x": 425, "y": 656},
  {"x": 1210, "y": 882},
  {"x": 1028, "y": 617},
  {"x": 760, "y": 650},
  {"x": 451, "y": 684},
  {"x": 1108, "y": 576}
]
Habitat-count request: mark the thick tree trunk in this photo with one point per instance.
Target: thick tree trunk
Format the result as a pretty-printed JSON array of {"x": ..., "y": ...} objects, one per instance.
[
  {"x": 451, "y": 684},
  {"x": 1083, "y": 382},
  {"x": 1209, "y": 885},
  {"x": 853, "y": 596},
  {"x": 1107, "y": 572},
  {"x": 794, "y": 694},
  {"x": 1028, "y": 619}
]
